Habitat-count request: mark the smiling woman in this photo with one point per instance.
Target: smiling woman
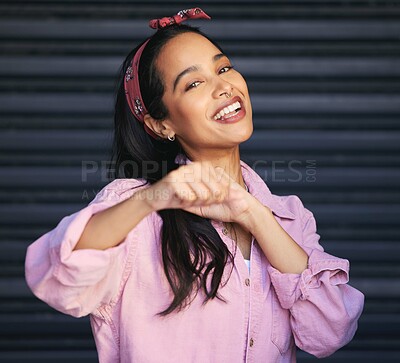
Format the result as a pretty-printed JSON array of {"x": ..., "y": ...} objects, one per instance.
[
  {"x": 188, "y": 256},
  {"x": 196, "y": 93}
]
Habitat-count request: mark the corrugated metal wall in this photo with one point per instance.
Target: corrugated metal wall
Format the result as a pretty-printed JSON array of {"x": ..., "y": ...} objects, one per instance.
[{"x": 324, "y": 78}]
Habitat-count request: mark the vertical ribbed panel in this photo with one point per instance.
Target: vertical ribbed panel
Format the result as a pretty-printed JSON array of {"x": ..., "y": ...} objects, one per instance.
[{"x": 324, "y": 80}]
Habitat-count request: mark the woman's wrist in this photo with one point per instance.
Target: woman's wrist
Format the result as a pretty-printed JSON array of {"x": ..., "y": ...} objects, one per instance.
[
  {"x": 156, "y": 197},
  {"x": 250, "y": 219},
  {"x": 147, "y": 199}
]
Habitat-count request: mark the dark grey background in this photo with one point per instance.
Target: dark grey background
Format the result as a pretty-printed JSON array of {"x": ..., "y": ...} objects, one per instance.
[{"x": 324, "y": 79}]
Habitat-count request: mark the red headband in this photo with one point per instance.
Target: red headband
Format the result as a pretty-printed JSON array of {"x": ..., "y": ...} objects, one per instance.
[{"x": 131, "y": 79}]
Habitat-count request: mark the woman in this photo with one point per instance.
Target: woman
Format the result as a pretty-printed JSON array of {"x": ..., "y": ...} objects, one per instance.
[{"x": 158, "y": 258}]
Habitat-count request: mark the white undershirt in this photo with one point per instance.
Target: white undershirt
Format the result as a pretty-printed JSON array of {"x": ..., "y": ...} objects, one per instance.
[{"x": 247, "y": 263}]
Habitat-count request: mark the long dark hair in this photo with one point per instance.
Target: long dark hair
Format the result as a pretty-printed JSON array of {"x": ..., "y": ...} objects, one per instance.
[{"x": 192, "y": 250}]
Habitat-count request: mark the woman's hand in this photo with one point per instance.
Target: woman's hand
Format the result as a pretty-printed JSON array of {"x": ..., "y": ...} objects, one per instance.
[{"x": 201, "y": 189}]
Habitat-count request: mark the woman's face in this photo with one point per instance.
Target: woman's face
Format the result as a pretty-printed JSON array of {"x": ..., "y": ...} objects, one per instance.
[{"x": 197, "y": 79}]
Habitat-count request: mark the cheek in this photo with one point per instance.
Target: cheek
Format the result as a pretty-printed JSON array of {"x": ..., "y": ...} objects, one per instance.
[
  {"x": 241, "y": 82},
  {"x": 187, "y": 116},
  {"x": 193, "y": 107}
]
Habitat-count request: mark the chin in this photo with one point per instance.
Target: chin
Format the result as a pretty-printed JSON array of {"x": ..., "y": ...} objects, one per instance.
[
  {"x": 241, "y": 137},
  {"x": 245, "y": 133}
]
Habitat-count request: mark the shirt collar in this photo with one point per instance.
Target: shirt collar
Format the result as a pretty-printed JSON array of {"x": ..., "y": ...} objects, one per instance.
[{"x": 257, "y": 188}]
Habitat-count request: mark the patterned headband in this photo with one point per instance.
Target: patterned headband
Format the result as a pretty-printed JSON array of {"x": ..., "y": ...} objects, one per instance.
[{"x": 131, "y": 80}]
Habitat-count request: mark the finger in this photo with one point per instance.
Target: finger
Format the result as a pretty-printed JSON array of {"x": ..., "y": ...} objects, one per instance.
[
  {"x": 222, "y": 176},
  {"x": 204, "y": 174},
  {"x": 201, "y": 185},
  {"x": 217, "y": 186},
  {"x": 203, "y": 193},
  {"x": 184, "y": 193}
]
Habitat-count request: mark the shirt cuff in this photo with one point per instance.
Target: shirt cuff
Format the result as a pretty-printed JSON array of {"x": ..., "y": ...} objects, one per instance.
[
  {"x": 322, "y": 268},
  {"x": 79, "y": 267}
]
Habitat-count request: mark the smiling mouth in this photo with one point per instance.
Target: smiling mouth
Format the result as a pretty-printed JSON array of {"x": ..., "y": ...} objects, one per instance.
[{"x": 229, "y": 111}]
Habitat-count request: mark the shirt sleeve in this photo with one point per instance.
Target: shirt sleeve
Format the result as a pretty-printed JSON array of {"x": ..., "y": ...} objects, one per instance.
[
  {"x": 77, "y": 282},
  {"x": 324, "y": 309}
]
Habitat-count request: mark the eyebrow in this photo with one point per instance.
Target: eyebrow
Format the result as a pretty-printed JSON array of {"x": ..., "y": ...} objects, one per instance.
[{"x": 196, "y": 68}]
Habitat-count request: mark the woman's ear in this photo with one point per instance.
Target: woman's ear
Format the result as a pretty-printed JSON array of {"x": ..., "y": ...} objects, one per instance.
[{"x": 160, "y": 128}]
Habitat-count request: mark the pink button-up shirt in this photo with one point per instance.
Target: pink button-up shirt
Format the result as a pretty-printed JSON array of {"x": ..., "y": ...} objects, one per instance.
[{"x": 266, "y": 314}]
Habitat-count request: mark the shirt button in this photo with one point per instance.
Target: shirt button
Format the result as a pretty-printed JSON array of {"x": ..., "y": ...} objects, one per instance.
[
  {"x": 251, "y": 342},
  {"x": 247, "y": 282},
  {"x": 225, "y": 231}
]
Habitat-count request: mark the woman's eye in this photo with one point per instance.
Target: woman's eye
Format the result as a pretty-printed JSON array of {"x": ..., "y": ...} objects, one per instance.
[
  {"x": 225, "y": 69},
  {"x": 192, "y": 85}
]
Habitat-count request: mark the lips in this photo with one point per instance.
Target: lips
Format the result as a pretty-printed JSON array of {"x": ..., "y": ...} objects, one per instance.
[{"x": 229, "y": 109}]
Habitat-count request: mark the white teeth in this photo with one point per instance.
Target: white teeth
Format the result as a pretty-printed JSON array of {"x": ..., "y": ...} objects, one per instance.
[{"x": 227, "y": 110}]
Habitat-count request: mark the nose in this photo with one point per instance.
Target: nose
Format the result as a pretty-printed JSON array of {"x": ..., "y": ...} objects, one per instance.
[{"x": 222, "y": 88}]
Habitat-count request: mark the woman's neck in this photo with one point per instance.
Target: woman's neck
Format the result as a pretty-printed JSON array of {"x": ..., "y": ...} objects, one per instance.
[{"x": 228, "y": 160}]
